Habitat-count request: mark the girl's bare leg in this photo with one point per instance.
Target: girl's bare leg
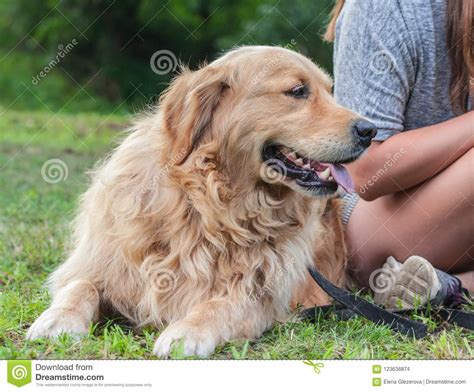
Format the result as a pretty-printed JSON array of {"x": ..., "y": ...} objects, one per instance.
[
  {"x": 467, "y": 280},
  {"x": 434, "y": 220}
]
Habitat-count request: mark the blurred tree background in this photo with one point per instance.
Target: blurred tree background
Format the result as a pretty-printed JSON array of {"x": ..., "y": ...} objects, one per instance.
[{"x": 111, "y": 42}]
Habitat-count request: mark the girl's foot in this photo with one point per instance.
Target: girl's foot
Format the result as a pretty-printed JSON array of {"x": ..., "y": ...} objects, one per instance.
[{"x": 415, "y": 283}]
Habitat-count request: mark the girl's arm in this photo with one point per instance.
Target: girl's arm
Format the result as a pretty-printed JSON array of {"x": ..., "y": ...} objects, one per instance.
[{"x": 409, "y": 158}]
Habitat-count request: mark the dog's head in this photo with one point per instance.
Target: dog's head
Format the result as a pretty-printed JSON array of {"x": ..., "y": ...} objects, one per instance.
[{"x": 271, "y": 115}]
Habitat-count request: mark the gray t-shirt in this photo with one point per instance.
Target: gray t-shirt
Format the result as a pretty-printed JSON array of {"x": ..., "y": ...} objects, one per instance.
[{"x": 391, "y": 63}]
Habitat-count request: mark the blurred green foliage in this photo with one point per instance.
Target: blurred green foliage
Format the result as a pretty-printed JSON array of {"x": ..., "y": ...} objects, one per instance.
[{"x": 109, "y": 67}]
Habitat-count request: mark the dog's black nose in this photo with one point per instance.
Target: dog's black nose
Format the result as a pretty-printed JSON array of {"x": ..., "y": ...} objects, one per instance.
[{"x": 364, "y": 131}]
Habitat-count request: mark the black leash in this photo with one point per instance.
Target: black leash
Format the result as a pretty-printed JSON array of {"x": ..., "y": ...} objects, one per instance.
[
  {"x": 458, "y": 317},
  {"x": 452, "y": 316},
  {"x": 354, "y": 304}
]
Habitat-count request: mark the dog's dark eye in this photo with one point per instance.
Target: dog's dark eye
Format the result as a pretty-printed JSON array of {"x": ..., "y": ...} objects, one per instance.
[{"x": 300, "y": 91}]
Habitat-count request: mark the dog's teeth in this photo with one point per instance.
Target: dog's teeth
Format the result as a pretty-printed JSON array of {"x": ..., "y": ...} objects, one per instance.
[
  {"x": 299, "y": 162},
  {"x": 331, "y": 178},
  {"x": 292, "y": 155},
  {"x": 307, "y": 166},
  {"x": 324, "y": 175}
]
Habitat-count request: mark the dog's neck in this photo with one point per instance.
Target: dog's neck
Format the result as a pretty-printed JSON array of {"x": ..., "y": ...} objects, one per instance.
[{"x": 244, "y": 215}]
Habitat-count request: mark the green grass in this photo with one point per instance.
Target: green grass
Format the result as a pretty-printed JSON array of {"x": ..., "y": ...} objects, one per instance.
[
  {"x": 55, "y": 92},
  {"x": 34, "y": 227}
]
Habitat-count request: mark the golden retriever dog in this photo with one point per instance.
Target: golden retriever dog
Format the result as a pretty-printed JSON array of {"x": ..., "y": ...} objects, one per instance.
[{"x": 208, "y": 214}]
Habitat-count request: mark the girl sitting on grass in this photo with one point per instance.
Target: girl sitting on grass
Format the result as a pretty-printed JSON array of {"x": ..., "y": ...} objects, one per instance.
[{"x": 408, "y": 67}]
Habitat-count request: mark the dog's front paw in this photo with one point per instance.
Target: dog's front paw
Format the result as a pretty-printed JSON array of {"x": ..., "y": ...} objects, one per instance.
[
  {"x": 55, "y": 321},
  {"x": 194, "y": 341}
]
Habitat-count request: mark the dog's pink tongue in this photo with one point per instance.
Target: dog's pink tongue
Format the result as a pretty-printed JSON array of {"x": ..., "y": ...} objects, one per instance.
[{"x": 342, "y": 177}]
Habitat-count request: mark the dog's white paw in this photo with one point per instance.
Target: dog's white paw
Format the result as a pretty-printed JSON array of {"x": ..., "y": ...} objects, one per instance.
[
  {"x": 195, "y": 341},
  {"x": 55, "y": 321}
]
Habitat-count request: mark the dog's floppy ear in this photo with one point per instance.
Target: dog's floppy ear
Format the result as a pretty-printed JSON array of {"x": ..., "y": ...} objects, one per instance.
[{"x": 187, "y": 108}]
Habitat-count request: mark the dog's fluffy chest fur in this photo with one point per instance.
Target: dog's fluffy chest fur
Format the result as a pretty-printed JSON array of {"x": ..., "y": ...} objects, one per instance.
[{"x": 251, "y": 263}]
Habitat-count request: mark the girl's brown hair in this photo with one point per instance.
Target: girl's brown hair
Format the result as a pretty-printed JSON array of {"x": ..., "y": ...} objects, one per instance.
[{"x": 459, "y": 38}]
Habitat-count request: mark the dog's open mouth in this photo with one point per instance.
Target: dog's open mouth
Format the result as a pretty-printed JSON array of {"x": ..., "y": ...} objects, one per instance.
[{"x": 307, "y": 173}]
